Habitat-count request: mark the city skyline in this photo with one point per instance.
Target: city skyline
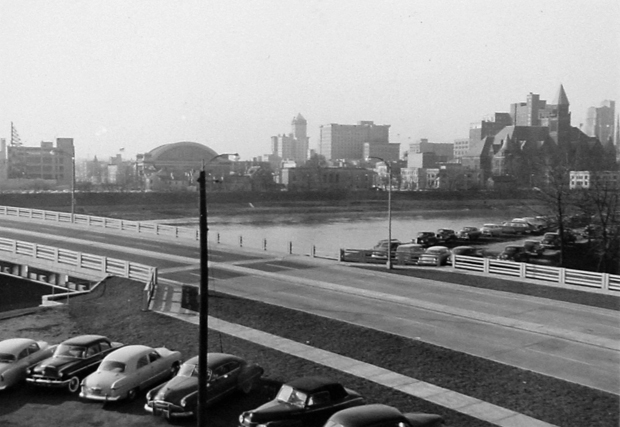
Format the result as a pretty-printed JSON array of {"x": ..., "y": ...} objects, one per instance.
[{"x": 115, "y": 75}]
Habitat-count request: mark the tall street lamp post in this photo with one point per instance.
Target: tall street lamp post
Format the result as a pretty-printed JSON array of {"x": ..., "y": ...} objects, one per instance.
[
  {"x": 72, "y": 185},
  {"x": 388, "y": 263},
  {"x": 204, "y": 296}
]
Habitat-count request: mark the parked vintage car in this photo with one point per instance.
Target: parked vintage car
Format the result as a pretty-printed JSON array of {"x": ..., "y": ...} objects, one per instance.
[
  {"x": 379, "y": 251},
  {"x": 377, "y": 414},
  {"x": 409, "y": 253},
  {"x": 435, "y": 255},
  {"x": 307, "y": 401},
  {"x": 514, "y": 253},
  {"x": 426, "y": 238},
  {"x": 534, "y": 247},
  {"x": 469, "y": 233},
  {"x": 127, "y": 370},
  {"x": 446, "y": 235},
  {"x": 510, "y": 227},
  {"x": 19, "y": 354},
  {"x": 179, "y": 397},
  {"x": 467, "y": 251},
  {"x": 491, "y": 230},
  {"x": 537, "y": 225},
  {"x": 552, "y": 240},
  {"x": 72, "y": 361}
]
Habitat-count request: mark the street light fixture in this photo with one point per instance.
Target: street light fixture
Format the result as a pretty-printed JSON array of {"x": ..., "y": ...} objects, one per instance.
[
  {"x": 204, "y": 295},
  {"x": 389, "y": 244}
]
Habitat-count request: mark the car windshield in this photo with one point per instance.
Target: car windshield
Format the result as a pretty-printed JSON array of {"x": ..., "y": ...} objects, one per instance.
[
  {"x": 112, "y": 366},
  {"x": 7, "y": 358},
  {"x": 288, "y": 394},
  {"x": 75, "y": 351},
  {"x": 511, "y": 250},
  {"x": 189, "y": 370}
]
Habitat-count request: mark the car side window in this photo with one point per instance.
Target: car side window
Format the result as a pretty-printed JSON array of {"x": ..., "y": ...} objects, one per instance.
[
  {"x": 231, "y": 367},
  {"x": 320, "y": 398},
  {"x": 92, "y": 350},
  {"x": 33, "y": 348},
  {"x": 104, "y": 345},
  {"x": 142, "y": 362},
  {"x": 22, "y": 354},
  {"x": 153, "y": 356}
]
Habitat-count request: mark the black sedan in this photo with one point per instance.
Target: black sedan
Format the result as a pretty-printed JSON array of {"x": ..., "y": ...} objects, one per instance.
[
  {"x": 382, "y": 415},
  {"x": 71, "y": 362},
  {"x": 226, "y": 374},
  {"x": 304, "y": 402}
]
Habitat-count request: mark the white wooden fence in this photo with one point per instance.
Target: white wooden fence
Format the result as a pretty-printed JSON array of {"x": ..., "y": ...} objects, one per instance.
[
  {"x": 70, "y": 261},
  {"x": 137, "y": 227},
  {"x": 562, "y": 276}
]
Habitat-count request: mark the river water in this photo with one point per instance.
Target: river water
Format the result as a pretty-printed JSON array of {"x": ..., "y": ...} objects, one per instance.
[{"x": 328, "y": 234}]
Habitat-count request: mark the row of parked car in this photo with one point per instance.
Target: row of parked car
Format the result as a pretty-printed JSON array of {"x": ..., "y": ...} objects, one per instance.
[
  {"x": 437, "y": 248},
  {"x": 102, "y": 370}
]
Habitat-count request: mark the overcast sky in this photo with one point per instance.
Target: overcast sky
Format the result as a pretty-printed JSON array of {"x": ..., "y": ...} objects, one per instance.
[{"x": 137, "y": 74}]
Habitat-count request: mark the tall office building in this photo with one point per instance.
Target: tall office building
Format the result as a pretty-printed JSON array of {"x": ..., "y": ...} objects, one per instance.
[
  {"x": 293, "y": 146},
  {"x": 346, "y": 142},
  {"x": 600, "y": 121}
]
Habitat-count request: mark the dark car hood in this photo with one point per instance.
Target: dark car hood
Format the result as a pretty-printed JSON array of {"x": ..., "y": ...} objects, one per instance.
[
  {"x": 425, "y": 420},
  {"x": 274, "y": 410},
  {"x": 177, "y": 388},
  {"x": 56, "y": 364}
]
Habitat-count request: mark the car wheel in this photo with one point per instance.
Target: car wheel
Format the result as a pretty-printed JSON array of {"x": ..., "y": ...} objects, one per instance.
[
  {"x": 131, "y": 394},
  {"x": 74, "y": 384},
  {"x": 247, "y": 387}
]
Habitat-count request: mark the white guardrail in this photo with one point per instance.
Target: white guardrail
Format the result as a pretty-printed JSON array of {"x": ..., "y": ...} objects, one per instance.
[
  {"x": 79, "y": 261},
  {"x": 102, "y": 222},
  {"x": 562, "y": 276}
]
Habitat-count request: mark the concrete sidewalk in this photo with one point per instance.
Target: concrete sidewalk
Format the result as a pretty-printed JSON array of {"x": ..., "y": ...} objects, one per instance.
[{"x": 168, "y": 302}]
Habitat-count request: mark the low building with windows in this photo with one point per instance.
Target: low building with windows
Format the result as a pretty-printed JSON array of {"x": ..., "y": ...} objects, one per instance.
[
  {"x": 48, "y": 165},
  {"x": 595, "y": 180},
  {"x": 326, "y": 178}
]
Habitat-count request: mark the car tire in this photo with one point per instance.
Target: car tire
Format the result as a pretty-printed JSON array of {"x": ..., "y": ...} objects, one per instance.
[
  {"x": 132, "y": 394},
  {"x": 247, "y": 387},
  {"x": 74, "y": 384}
]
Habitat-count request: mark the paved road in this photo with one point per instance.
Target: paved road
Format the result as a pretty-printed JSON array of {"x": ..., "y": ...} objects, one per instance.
[{"x": 568, "y": 341}]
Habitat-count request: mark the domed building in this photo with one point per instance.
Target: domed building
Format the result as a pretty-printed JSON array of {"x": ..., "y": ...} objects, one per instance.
[{"x": 174, "y": 166}]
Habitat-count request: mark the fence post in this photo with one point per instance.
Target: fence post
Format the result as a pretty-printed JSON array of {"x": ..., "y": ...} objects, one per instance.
[
  {"x": 290, "y": 248},
  {"x": 218, "y": 238},
  {"x": 562, "y": 276},
  {"x": 240, "y": 241},
  {"x": 313, "y": 251},
  {"x": 605, "y": 281},
  {"x": 264, "y": 244}
]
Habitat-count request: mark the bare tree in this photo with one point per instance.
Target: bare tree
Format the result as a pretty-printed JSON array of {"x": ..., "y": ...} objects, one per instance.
[{"x": 601, "y": 202}]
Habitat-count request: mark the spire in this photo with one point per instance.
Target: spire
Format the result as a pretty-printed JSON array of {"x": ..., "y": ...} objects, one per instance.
[
  {"x": 560, "y": 98},
  {"x": 299, "y": 119}
]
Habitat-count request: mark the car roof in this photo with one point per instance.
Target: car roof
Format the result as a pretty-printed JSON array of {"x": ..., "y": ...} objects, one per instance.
[
  {"x": 85, "y": 339},
  {"x": 13, "y": 344},
  {"x": 215, "y": 359},
  {"x": 462, "y": 248},
  {"x": 366, "y": 415},
  {"x": 410, "y": 245},
  {"x": 314, "y": 384},
  {"x": 128, "y": 352},
  {"x": 437, "y": 248}
]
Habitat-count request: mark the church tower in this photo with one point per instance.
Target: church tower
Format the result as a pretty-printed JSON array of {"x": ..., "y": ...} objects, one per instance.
[
  {"x": 299, "y": 128},
  {"x": 558, "y": 119}
]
